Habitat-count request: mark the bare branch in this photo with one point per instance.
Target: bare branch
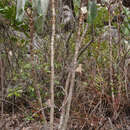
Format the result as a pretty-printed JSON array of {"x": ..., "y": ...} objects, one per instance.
[
  {"x": 77, "y": 45},
  {"x": 52, "y": 65}
]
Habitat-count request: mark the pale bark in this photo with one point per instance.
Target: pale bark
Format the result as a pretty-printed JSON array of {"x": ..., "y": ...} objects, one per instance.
[
  {"x": 52, "y": 65},
  {"x": 77, "y": 46}
]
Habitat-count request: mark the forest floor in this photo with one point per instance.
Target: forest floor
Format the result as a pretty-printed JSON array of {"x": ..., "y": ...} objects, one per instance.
[{"x": 19, "y": 119}]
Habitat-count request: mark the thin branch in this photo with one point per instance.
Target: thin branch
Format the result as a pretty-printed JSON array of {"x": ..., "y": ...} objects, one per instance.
[
  {"x": 77, "y": 45},
  {"x": 33, "y": 67},
  {"x": 84, "y": 48},
  {"x": 52, "y": 65},
  {"x": 2, "y": 84},
  {"x": 111, "y": 58},
  {"x": 3, "y": 100},
  {"x": 64, "y": 102}
]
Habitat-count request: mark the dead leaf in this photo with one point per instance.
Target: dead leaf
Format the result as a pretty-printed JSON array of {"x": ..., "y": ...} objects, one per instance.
[{"x": 79, "y": 69}]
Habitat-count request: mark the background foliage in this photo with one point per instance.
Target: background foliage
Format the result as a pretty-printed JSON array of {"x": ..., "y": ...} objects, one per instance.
[{"x": 92, "y": 101}]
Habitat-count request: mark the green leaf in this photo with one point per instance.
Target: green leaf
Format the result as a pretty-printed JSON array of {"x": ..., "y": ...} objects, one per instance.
[
  {"x": 126, "y": 31},
  {"x": 76, "y": 6},
  {"x": 1, "y": 9},
  {"x": 10, "y": 95},
  {"x": 20, "y": 10},
  {"x": 40, "y": 8},
  {"x": 39, "y": 24},
  {"x": 92, "y": 12},
  {"x": 27, "y": 66}
]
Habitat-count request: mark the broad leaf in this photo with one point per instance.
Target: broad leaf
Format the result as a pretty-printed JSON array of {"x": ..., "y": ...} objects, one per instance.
[
  {"x": 40, "y": 7},
  {"x": 20, "y": 10},
  {"x": 92, "y": 12}
]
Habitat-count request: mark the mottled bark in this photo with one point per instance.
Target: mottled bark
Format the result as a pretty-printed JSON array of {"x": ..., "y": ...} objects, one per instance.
[{"x": 52, "y": 65}]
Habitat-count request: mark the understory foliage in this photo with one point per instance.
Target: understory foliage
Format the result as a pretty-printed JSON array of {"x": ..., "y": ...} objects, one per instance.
[{"x": 101, "y": 67}]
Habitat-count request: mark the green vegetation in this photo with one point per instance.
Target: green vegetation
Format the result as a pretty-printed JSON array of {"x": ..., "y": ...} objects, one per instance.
[{"x": 101, "y": 84}]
